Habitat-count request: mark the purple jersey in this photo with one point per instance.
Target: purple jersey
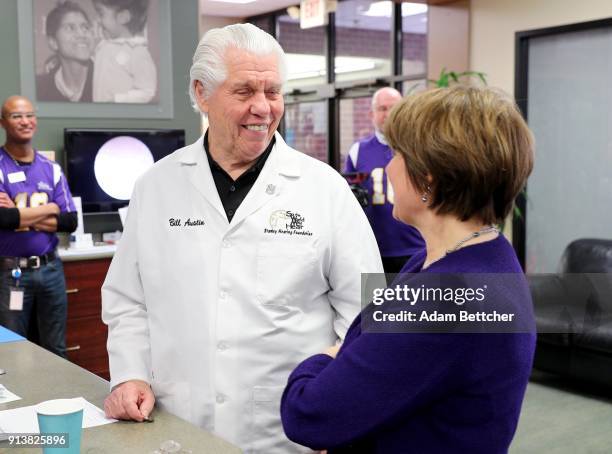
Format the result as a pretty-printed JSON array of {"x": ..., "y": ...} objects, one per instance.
[
  {"x": 32, "y": 185},
  {"x": 394, "y": 238}
]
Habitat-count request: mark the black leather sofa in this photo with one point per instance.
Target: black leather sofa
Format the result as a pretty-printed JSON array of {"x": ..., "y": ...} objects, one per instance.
[{"x": 574, "y": 313}]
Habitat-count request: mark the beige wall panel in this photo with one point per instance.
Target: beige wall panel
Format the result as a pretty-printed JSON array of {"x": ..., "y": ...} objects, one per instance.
[
  {"x": 447, "y": 38},
  {"x": 493, "y": 24}
]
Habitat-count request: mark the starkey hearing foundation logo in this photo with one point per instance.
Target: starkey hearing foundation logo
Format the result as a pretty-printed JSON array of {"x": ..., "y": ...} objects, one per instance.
[{"x": 285, "y": 222}]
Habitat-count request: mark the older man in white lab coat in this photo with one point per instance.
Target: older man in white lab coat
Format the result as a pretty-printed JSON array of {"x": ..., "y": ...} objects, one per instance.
[{"x": 240, "y": 257}]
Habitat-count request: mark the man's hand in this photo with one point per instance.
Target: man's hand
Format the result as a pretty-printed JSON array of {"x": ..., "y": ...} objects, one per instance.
[
  {"x": 28, "y": 217},
  {"x": 132, "y": 399},
  {"x": 55, "y": 209},
  {"x": 46, "y": 225},
  {"x": 6, "y": 201}
]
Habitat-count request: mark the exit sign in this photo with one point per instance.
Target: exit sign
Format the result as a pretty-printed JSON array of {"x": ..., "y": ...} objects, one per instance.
[{"x": 313, "y": 13}]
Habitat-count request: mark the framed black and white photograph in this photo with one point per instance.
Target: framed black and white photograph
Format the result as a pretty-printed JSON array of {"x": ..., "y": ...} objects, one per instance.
[{"x": 97, "y": 58}]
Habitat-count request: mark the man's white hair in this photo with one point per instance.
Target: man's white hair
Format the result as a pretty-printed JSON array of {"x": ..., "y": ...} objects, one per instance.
[
  {"x": 209, "y": 65},
  {"x": 389, "y": 90}
]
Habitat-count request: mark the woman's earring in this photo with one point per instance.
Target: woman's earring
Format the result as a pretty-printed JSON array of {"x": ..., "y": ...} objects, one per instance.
[{"x": 424, "y": 197}]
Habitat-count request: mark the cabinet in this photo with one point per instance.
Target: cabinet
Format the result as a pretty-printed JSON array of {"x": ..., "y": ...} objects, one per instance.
[{"x": 85, "y": 333}]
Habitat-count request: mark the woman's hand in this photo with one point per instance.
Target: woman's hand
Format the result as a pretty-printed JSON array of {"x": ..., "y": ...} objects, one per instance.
[{"x": 332, "y": 351}]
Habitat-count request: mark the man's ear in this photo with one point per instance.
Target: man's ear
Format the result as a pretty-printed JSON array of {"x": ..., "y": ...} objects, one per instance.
[
  {"x": 124, "y": 17},
  {"x": 200, "y": 97}
]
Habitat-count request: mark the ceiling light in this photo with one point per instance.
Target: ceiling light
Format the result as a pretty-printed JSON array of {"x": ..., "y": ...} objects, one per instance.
[
  {"x": 305, "y": 66},
  {"x": 241, "y": 2},
  {"x": 294, "y": 12},
  {"x": 344, "y": 66},
  {"x": 412, "y": 9},
  {"x": 385, "y": 8}
]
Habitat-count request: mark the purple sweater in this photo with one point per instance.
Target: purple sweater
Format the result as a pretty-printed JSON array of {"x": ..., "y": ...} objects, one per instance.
[{"x": 417, "y": 393}]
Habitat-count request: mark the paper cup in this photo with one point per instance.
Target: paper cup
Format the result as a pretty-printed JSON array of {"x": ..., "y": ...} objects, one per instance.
[{"x": 61, "y": 416}]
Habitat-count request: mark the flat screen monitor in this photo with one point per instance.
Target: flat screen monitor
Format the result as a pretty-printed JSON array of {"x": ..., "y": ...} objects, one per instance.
[{"x": 102, "y": 165}]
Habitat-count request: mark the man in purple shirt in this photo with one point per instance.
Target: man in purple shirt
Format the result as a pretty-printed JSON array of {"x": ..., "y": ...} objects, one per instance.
[
  {"x": 397, "y": 241},
  {"x": 35, "y": 202}
]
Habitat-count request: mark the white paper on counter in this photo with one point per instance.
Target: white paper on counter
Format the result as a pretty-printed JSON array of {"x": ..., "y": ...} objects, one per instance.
[
  {"x": 6, "y": 396},
  {"x": 24, "y": 420}
]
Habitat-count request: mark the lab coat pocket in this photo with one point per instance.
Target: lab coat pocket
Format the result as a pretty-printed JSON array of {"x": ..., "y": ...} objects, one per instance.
[
  {"x": 173, "y": 397},
  {"x": 285, "y": 276},
  {"x": 268, "y": 435}
]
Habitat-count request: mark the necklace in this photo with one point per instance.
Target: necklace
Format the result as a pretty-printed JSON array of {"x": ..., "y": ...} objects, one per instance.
[
  {"x": 20, "y": 163},
  {"x": 17, "y": 163},
  {"x": 471, "y": 236}
]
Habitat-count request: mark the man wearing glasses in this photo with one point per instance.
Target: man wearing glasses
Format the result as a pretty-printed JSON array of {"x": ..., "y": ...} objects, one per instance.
[{"x": 35, "y": 203}]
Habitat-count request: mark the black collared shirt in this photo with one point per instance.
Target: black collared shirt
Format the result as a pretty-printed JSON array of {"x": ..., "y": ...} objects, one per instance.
[{"x": 231, "y": 192}]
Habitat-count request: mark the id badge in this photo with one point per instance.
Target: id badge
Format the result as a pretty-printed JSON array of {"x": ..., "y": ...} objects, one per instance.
[{"x": 16, "y": 299}]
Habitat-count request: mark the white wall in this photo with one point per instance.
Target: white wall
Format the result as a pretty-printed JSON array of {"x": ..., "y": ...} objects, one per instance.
[
  {"x": 493, "y": 24},
  {"x": 208, "y": 22},
  {"x": 447, "y": 42}
]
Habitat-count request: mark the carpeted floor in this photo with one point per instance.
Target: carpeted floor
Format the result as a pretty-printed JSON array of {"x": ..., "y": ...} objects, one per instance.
[{"x": 560, "y": 417}]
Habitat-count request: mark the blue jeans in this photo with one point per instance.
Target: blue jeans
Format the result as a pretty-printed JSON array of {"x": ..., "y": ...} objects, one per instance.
[{"x": 44, "y": 288}]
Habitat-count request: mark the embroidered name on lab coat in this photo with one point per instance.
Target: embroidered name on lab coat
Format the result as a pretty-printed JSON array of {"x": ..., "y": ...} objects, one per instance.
[{"x": 177, "y": 222}]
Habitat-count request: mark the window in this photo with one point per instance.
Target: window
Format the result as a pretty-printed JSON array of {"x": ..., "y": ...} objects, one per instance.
[
  {"x": 372, "y": 44},
  {"x": 414, "y": 39},
  {"x": 355, "y": 124},
  {"x": 412, "y": 86},
  {"x": 266, "y": 23},
  {"x": 306, "y": 128},
  {"x": 363, "y": 40},
  {"x": 305, "y": 51}
]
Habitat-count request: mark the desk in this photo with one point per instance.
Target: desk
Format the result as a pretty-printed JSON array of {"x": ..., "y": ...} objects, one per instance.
[
  {"x": 91, "y": 253},
  {"x": 36, "y": 375},
  {"x": 85, "y": 271}
]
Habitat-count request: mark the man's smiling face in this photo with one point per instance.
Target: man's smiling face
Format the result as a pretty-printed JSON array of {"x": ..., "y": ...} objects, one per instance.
[{"x": 245, "y": 110}]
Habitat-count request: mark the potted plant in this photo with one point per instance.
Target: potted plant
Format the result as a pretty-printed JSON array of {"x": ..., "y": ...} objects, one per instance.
[{"x": 447, "y": 77}]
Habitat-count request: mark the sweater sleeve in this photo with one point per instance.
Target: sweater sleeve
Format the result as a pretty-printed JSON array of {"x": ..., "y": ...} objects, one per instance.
[
  {"x": 67, "y": 221},
  {"x": 9, "y": 218},
  {"x": 376, "y": 379}
]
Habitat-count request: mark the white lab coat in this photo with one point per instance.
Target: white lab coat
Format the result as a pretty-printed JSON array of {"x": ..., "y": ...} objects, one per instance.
[{"x": 215, "y": 315}]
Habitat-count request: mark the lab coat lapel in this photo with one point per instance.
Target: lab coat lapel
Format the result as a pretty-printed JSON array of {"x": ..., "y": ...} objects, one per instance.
[
  {"x": 281, "y": 163},
  {"x": 195, "y": 165}
]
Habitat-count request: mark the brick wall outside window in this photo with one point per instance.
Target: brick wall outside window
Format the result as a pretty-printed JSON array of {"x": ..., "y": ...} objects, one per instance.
[{"x": 354, "y": 119}]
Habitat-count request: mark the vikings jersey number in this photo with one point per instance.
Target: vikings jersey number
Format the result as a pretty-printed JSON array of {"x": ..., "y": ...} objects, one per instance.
[{"x": 378, "y": 192}]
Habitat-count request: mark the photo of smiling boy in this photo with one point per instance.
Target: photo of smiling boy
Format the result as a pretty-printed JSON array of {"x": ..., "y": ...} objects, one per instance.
[{"x": 124, "y": 71}]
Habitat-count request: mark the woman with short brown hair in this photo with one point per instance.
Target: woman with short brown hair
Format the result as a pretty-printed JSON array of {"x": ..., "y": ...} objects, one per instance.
[
  {"x": 472, "y": 143},
  {"x": 462, "y": 155}
]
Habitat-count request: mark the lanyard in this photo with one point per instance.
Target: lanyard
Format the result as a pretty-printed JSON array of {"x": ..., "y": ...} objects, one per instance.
[{"x": 16, "y": 273}]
